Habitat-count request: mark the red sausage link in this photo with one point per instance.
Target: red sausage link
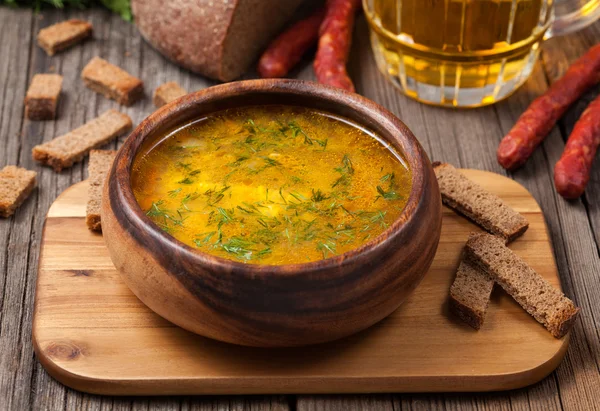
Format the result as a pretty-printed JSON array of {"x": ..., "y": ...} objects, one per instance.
[
  {"x": 539, "y": 118},
  {"x": 572, "y": 171},
  {"x": 289, "y": 47},
  {"x": 334, "y": 43}
]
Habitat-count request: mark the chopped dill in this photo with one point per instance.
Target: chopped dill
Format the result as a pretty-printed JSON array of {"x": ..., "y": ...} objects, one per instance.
[
  {"x": 322, "y": 143},
  {"x": 263, "y": 252},
  {"x": 189, "y": 197},
  {"x": 297, "y": 130},
  {"x": 347, "y": 164},
  {"x": 186, "y": 180},
  {"x": 185, "y": 166},
  {"x": 388, "y": 176},
  {"x": 214, "y": 196},
  {"x": 318, "y": 196},
  {"x": 326, "y": 247},
  {"x": 203, "y": 239},
  {"x": 238, "y": 247},
  {"x": 238, "y": 161},
  {"x": 271, "y": 162},
  {"x": 298, "y": 196},
  {"x": 388, "y": 195},
  {"x": 281, "y": 195},
  {"x": 174, "y": 193},
  {"x": 226, "y": 215},
  {"x": 156, "y": 210},
  {"x": 346, "y": 170}
]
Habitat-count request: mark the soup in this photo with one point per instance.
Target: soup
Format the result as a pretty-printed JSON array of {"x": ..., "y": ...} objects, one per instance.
[{"x": 271, "y": 184}]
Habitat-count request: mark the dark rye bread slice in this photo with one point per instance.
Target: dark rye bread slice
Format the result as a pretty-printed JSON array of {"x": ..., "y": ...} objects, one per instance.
[
  {"x": 112, "y": 81},
  {"x": 98, "y": 168},
  {"x": 62, "y": 35},
  {"x": 219, "y": 39},
  {"x": 66, "y": 150},
  {"x": 537, "y": 296},
  {"x": 16, "y": 183},
  {"x": 479, "y": 205},
  {"x": 470, "y": 294},
  {"x": 42, "y": 96},
  {"x": 165, "y": 93}
]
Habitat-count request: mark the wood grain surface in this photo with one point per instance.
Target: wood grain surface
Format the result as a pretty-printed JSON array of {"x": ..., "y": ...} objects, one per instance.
[
  {"x": 93, "y": 334},
  {"x": 466, "y": 138}
]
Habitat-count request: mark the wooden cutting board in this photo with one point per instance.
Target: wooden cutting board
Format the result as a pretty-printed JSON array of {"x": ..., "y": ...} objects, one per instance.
[{"x": 91, "y": 333}]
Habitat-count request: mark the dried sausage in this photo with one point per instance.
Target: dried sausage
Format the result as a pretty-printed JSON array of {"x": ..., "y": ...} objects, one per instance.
[
  {"x": 334, "y": 43},
  {"x": 539, "y": 118},
  {"x": 289, "y": 47},
  {"x": 572, "y": 171}
]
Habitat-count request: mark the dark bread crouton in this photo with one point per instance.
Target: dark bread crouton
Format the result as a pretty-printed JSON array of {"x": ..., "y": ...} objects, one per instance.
[
  {"x": 98, "y": 168},
  {"x": 165, "y": 93},
  {"x": 479, "y": 205},
  {"x": 64, "y": 151},
  {"x": 537, "y": 296},
  {"x": 470, "y": 294},
  {"x": 42, "y": 96},
  {"x": 16, "y": 183},
  {"x": 112, "y": 82},
  {"x": 62, "y": 35}
]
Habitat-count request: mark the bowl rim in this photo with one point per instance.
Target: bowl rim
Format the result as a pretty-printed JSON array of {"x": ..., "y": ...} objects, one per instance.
[{"x": 411, "y": 151}]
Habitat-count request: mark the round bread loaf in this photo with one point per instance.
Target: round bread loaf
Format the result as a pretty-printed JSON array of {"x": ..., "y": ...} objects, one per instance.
[{"x": 216, "y": 38}]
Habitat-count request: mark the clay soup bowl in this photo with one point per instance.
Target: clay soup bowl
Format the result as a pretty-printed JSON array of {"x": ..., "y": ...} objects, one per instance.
[{"x": 286, "y": 305}]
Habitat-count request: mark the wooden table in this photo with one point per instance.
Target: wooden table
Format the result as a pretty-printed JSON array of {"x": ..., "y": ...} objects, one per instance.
[{"x": 466, "y": 138}]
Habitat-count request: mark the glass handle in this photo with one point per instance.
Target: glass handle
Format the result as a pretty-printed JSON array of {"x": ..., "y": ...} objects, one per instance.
[{"x": 573, "y": 15}]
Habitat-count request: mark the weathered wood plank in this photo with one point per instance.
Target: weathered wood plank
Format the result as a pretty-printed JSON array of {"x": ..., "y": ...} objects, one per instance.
[
  {"x": 346, "y": 403},
  {"x": 15, "y": 233},
  {"x": 566, "y": 50},
  {"x": 76, "y": 107}
]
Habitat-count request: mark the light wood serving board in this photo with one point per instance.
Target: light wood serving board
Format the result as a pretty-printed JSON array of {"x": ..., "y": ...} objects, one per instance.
[{"x": 91, "y": 333}]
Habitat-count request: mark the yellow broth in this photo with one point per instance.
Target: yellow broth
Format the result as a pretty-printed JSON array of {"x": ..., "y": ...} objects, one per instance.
[{"x": 271, "y": 184}]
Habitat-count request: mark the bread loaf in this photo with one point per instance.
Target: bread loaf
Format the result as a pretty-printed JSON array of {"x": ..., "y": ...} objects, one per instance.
[{"x": 217, "y": 38}]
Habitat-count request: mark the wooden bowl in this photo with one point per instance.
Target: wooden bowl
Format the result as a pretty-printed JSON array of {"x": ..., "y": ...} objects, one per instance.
[{"x": 286, "y": 305}]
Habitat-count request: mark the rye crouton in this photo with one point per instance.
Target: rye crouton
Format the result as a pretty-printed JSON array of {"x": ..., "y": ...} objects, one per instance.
[
  {"x": 63, "y": 35},
  {"x": 479, "y": 205},
  {"x": 537, "y": 296},
  {"x": 165, "y": 93},
  {"x": 470, "y": 294},
  {"x": 16, "y": 184},
  {"x": 98, "y": 168},
  {"x": 42, "y": 96},
  {"x": 64, "y": 151},
  {"x": 112, "y": 82}
]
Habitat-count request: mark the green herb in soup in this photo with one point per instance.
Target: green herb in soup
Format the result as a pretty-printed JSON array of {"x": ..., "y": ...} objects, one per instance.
[{"x": 271, "y": 185}]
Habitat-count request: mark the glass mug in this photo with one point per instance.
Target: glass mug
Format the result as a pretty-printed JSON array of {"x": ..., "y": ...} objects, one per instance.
[{"x": 467, "y": 53}]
